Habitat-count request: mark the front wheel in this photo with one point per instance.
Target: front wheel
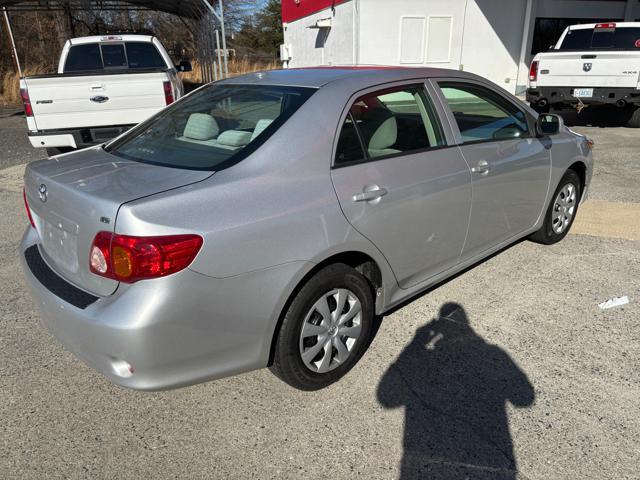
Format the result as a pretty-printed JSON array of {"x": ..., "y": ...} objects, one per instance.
[
  {"x": 562, "y": 210},
  {"x": 325, "y": 330}
]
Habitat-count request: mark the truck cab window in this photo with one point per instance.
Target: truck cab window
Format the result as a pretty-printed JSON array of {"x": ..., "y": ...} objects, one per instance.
[
  {"x": 113, "y": 56},
  {"x": 83, "y": 57},
  {"x": 143, "y": 55}
]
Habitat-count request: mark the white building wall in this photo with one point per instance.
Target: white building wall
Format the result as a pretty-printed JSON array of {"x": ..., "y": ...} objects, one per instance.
[
  {"x": 322, "y": 46},
  {"x": 492, "y": 38}
]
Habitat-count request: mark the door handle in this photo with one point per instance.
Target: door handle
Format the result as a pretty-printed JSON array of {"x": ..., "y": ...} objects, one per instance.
[
  {"x": 371, "y": 194},
  {"x": 482, "y": 168},
  {"x": 96, "y": 88}
]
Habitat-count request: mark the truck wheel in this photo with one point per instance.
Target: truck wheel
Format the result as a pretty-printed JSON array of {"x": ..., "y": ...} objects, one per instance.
[
  {"x": 542, "y": 110},
  {"x": 634, "y": 118}
]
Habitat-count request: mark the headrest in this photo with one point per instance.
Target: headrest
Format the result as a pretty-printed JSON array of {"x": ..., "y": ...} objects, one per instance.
[
  {"x": 385, "y": 135},
  {"x": 201, "y": 126},
  {"x": 261, "y": 127},
  {"x": 234, "y": 138}
]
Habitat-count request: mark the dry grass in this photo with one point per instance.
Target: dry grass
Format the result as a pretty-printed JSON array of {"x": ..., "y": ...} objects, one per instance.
[
  {"x": 10, "y": 82},
  {"x": 237, "y": 66}
]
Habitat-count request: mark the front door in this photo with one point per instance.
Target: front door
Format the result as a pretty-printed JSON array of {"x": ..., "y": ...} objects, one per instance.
[
  {"x": 510, "y": 165},
  {"x": 398, "y": 186}
]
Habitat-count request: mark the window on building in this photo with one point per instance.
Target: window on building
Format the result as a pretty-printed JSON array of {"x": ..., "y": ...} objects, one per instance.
[
  {"x": 411, "y": 40},
  {"x": 484, "y": 115},
  {"x": 387, "y": 123},
  {"x": 439, "y": 39}
]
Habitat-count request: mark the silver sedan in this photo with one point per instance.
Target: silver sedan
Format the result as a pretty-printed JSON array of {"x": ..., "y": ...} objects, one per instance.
[{"x": 267, "y": 220}]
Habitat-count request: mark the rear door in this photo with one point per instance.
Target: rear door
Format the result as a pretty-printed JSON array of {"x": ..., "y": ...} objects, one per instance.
[
  {"x": 398, "y": 183},
  {"x": 510, "y": 166}
]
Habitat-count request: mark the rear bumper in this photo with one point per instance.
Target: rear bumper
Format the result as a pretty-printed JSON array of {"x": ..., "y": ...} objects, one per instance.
[
  {"x": 564, "y": 96},
  {"x": 76, "y": 137},
  {"x": 174, "y": 331}
]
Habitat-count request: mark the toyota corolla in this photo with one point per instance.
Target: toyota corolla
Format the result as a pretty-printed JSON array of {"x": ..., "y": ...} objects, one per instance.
[{"x": 266, "y": 220}]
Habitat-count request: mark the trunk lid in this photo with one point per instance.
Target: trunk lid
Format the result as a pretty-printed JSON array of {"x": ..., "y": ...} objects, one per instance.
[
  {"x": 589, "y": 69},
  {"x": 75, "y": 196},
  {"x": 65, "y": 101}
]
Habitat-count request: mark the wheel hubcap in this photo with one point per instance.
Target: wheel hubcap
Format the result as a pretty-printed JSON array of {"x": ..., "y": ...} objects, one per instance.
[
  {"x": 330, "y": 330},
  {"x": 564, "y": 208}
]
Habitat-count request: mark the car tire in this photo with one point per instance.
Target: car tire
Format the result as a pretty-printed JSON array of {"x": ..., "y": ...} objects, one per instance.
[
  {"x": 313, "y": 349},
  {"x": 634, "y": 118},
  {"x": 562, "y": 210}
]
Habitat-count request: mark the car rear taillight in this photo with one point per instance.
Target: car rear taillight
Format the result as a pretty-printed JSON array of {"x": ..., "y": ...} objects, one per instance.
[
  {"x": 129, "y": 259},
  {"x": 26, "y": 102},
  {"x": 168, "y": 93},
  {"x": 600, "y": 26},
  {"x": 533, "y": 71},
  {"x": 26, "y": 205}
]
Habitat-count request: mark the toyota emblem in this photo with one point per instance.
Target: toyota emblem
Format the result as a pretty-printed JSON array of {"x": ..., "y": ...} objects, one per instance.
[{"x": 42, "y": 192}]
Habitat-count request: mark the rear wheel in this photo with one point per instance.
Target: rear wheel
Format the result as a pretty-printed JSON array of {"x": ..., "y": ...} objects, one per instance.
[
  {"x": 562, "y": 210},
  {"x": 325, "y": 330},
  {"x": 634, "y": 118}
]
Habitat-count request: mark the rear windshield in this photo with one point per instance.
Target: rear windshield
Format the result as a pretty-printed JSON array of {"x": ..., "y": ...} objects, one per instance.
[
  {"x": 212, "y": 128},
  {"x": 106, "y": 56},
  {"x": 622, "y": 38}
]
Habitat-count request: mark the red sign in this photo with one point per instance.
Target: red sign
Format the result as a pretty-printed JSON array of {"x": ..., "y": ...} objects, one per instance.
[{"x": 293, "y": 10}]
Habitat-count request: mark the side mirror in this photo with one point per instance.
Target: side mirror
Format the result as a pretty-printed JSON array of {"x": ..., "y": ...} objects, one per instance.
[
  {"x": 549, "y": 124},
  {"x": 184, "y": 66}
]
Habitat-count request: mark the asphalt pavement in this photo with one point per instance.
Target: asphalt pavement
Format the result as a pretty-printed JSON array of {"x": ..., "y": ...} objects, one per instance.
[{"x": 510, "y": 370}]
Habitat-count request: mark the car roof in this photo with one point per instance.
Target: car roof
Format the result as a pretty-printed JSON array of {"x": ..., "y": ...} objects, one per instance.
[{"x": 316, "y": 77}]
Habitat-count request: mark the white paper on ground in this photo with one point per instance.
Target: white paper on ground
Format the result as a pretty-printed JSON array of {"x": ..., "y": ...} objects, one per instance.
[{"x": 614, "y": 302}]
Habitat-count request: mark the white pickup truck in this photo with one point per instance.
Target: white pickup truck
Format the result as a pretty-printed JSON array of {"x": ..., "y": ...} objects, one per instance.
[
  {"x": 104, "y": 86},
  {"x": 593, "y": 64}
]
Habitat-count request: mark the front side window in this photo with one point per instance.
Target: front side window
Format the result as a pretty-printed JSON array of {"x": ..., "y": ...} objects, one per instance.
[
  {"x": 212, "y": 128},
  {"x": 389, "y": 122},
  {"x": 483, "y": 115}
]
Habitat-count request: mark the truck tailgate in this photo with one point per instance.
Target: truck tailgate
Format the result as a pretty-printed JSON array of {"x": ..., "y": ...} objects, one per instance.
[
  {"x": 589, "y": 69},
  {"x": 73, "y": 101}
]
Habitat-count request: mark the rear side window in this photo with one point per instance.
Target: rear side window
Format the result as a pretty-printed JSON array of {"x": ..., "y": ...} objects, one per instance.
[
  {"x": 213, "y": 128},
  {"x": 611, "y": 38},
  {"x": 389, "y": 122},
  {"x": 483, "y": 115},
  {"x": 129, "y": 55}
]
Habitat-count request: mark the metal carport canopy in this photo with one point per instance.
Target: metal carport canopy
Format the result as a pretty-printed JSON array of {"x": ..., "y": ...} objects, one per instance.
[
  {"x": 194, "y": 9},
  {"x": 183, "y": 8}
]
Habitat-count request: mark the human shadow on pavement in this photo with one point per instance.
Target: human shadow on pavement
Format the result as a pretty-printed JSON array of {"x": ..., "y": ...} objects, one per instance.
[{"x": 454, "y": 387}]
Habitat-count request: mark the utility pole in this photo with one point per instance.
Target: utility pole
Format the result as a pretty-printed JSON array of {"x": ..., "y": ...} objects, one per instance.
[
  {"x": 12, "y": 43},
  {"x": 224, "y": 40}
]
